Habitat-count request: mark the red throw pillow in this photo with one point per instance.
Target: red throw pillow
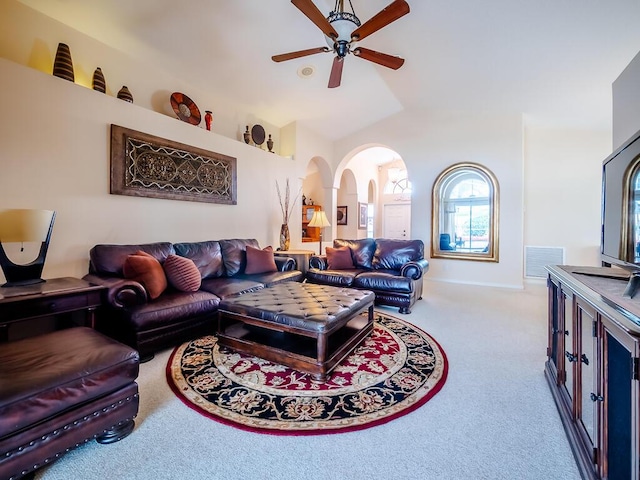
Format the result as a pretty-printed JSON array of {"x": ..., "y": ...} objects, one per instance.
[
  {"x": 146, "y": 269},
  {"x": 260, "y": 261},
  {"x": 182, "y": 273},
  {"x": 339, "y": 258}
]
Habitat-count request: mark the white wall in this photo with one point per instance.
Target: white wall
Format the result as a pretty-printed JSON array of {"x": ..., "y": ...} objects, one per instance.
[
  {"x": 563, "y": 175},
  {"x": 55, "y": 155},
  {"x": 30, "y": 38},
  {"x": 626, "y": 103},
  {"x": 55, "y": 144},
  {"x": 428, "y": 142}
]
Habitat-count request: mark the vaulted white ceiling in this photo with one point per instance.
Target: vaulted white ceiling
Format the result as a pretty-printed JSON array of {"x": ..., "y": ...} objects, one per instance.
[{"x": 551, "y": 60}]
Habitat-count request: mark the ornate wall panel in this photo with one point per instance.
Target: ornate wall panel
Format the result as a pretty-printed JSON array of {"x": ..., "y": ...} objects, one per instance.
[{"x": 143, "y": 165}]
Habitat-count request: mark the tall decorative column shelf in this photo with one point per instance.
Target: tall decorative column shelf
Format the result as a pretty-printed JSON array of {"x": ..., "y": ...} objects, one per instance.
[{"x": 593, "y": 368}]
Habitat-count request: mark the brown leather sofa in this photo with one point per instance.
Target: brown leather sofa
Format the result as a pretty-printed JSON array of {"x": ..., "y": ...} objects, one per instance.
[
  {"x": 392, "y": 269},
  {"x": 175, "y": 316},
  {"x": 60, "y": 390}
]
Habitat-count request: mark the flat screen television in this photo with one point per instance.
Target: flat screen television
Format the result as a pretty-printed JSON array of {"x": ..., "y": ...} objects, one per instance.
[{"x": 620, "y": 236}]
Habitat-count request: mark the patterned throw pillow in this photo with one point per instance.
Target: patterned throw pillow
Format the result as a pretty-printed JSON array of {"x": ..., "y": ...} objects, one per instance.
[
  {"x": 182, "y": 273},
  {"x": 260, "y": 261},
  {"x": 339, "y": 258},
  {"x": 146, "y": 269}
]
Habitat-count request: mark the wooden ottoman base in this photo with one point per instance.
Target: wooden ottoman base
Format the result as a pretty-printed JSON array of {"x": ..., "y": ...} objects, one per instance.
[{"x": 310, "y": 328}]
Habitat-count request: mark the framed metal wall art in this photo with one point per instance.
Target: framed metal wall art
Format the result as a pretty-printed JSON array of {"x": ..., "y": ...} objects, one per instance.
[{"x": 143, "y": 165}]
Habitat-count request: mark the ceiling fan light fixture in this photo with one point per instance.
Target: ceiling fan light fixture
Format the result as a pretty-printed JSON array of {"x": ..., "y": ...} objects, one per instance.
[
  {"x": 343, "y": 30},
  {"x": 344, "y": 23}
]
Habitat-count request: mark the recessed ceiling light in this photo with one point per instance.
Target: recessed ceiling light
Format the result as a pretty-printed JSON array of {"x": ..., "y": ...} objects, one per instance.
[{"x": 306, "y": 71}]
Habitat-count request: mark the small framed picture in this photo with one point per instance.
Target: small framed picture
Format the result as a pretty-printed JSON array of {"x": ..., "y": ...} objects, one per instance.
[
  {"x": 341, "y": 215},
  {"x": 362, "y": 215}
]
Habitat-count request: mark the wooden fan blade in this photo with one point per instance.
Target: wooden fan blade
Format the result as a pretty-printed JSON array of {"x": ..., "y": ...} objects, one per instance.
[
  {"x": 383, "y": 59},
  {"x": 336, "y": 72},
  {"x": 384, "y": 17},
  {"x": 300, "y": 53},
  {"x": 312, "y": 13}
]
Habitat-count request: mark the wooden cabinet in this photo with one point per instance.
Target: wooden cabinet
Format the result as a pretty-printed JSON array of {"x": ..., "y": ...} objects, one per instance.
[
  {"x": 309, "y": 234},
  {"x": 592, "y": 370}
]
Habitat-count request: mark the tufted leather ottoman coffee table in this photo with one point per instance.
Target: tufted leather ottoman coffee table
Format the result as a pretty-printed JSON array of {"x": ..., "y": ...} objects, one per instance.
[{"x": 304, "y": 326}]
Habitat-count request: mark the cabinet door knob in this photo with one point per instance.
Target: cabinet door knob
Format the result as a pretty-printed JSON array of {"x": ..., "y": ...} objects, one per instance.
[
  {"x": 570, "y": 356},
  {"x": 596, "y": 398},
  {"x": 584, "y": 359}
]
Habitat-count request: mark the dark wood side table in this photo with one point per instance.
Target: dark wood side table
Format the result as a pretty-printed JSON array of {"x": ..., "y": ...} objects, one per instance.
[{"x": 54, "y": 297}]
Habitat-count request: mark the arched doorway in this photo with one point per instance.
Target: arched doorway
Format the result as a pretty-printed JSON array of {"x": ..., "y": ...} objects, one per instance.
[
  {"x": 347, "y": 205},
  {"x": 383, "y": 192},
  {"x": 317, "y": 190}
]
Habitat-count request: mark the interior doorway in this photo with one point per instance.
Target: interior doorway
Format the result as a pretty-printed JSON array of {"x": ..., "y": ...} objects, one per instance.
[
  {"x": 397, "y": 221},
  {"x": 381, "y": 178}
]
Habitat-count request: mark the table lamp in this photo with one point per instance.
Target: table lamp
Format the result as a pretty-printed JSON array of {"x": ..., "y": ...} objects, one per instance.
[
  {"x": 19, "y": 226},
  {"x": 319, "y": 220}
]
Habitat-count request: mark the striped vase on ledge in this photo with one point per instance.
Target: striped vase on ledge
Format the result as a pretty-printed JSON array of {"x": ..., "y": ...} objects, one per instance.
[{"x": 63, "y": 65}]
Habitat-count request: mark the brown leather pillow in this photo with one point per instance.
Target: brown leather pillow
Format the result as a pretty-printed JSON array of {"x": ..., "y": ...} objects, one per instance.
[
  {"x": 146, "y": 269},
  {"x": 339, "y": 258},
  {"x": 182, "y": 273},
  {"x": 260, "y": 261}
]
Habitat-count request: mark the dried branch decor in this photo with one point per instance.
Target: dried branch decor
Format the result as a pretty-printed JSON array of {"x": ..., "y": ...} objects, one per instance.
[{"x": 284, "y": 206}]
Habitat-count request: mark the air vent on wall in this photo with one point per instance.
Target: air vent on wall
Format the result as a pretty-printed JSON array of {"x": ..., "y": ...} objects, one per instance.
[{"x": 535, "y": 258}]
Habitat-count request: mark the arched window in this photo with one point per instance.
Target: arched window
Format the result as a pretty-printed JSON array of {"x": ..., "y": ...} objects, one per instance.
[
  {"x": 465, "y": 214},
  {"x": 398, "y": 182}
]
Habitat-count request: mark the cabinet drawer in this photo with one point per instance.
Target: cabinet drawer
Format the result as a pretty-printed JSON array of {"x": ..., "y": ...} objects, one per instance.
[{"x": 48, "y": 306}]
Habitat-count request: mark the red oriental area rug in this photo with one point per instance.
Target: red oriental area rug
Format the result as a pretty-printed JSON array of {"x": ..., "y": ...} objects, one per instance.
[{"x": 394, "y": 371}]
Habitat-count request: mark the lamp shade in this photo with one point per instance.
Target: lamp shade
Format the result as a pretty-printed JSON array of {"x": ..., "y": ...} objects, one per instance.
[
  {"x": 319, "y": 219},
  {"x": 22, "y": 225},
  {"x": 25, "y": 226}
]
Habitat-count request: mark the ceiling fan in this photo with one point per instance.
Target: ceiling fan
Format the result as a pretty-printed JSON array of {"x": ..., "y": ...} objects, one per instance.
[{"x": 343, "y": 29}]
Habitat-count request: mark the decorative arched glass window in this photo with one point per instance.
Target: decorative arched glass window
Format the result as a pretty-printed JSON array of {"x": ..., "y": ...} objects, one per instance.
[
  {"x": 398, "y": 182},
  {"x": 464, "y": 217}
]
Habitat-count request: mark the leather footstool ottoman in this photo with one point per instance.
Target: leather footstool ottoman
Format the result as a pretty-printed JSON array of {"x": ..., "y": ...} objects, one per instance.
[
  {"x": 60, "y": 390},
  {"x": 307, "y": 327}
]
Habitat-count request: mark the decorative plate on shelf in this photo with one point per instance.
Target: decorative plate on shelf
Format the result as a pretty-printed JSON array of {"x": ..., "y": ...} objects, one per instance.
[
  {"x": 257, "y": 134},
  {"x": 184, "y": 107}
]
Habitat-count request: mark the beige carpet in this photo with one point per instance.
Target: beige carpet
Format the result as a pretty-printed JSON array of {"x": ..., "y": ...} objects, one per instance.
[{"x": 493, "y": 419}]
